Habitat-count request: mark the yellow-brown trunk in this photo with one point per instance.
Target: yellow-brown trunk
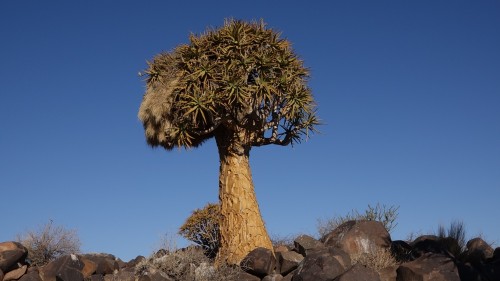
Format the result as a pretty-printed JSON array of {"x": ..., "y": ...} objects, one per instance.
[{"x": 241, "y": 226}]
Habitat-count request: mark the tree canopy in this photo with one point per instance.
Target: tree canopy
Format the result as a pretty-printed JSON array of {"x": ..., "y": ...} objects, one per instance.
[{"x": 242, "y": 76}]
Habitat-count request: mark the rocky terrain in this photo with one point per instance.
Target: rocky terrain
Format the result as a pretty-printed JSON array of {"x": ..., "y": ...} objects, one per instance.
[{"x": 353, "y": 251}]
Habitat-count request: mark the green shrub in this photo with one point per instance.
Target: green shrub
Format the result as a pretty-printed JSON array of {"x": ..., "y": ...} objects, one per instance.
[
  {"x": 202, "y": 228},
  {"x": 48, "y": 242},
  {"x": 387, "y": 215}
]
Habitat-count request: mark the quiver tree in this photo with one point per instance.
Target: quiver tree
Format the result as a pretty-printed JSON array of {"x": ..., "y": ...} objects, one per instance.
[
  {"x": 243, "y": 85},
  {"x": 202, "y": 227}
]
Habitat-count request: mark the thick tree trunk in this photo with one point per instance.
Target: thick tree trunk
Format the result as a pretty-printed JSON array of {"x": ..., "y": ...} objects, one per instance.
[{"x": 241, "y": 226}]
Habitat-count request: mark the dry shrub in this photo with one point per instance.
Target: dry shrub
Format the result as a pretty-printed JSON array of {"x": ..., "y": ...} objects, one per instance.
[
  {"x": 202, "y": 227},
  {"x": 380, "y": 259},
  {"x": 48, "y": 242},
  {"x": 280, "y": 240},
  {"x": 186, "y": 265}
]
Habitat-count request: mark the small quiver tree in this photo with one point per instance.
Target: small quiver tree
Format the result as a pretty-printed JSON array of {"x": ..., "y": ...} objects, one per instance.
[
  {"x": 243, "y": 85},
  {"x": 202, "y": 227}
]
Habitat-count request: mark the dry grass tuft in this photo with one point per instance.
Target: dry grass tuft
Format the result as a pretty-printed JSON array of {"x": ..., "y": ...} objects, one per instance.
[
  {"x": 387, "y": 215},
  {"x": 380, "y": 259}
]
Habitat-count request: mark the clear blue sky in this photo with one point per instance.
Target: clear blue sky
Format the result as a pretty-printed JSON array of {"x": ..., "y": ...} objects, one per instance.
[{"x": 409, "y": 92}]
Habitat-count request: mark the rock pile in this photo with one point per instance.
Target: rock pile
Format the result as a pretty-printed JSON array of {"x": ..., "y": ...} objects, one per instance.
[
  {"x": 336, "y": 256},
  {"x": 94, "y": 267}
]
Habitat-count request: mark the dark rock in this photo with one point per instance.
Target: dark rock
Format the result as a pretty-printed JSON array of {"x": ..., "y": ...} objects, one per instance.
[
  {"x": 289, "y": 276},
  {"x": 155, "y": 277},
  {"x": 96, "y": 277},
  {"x": 423, "y": 238},
  {"x": 160, "y": 276},
  {"x": 322, "y": 265},
  {"x": 496, "y": 253},
  {"x": 359, "y": 273},
  {"x": 305, "y": 244},
  {"x": 121, "y": 264},
  {"x": 89, "y": 267},
  {"x": 491, "y": 270},
  {"x": 67, "y": 268},
  {"x": 478, "y": 251},
  {"x": 259, "y": 262},
  {"x": 388, "y": 273},
  {"x": 11, "y": 253},
  {"x": 468, "y": 273},
  {"x": 288, "y": 261},
  {"x": 133, "y": 262},
  {"x": 429, "y": 267},
  {"x": 359, "y": 237},
  {"x": 69, "y": 275},
  {"x": 160, "y": 253},
  {"x": 281, "y": 248},
  {"x": 427, "y": 244},
  {"x": 106, "y": 263},
  {"x": 144, "y": 278},
  {"x": 244, "y": 276},
  {"x": 273, "y": 277},
  {"x": 1, "y": 275},
  {"x": 401, "y": 250},
  {"x": 15, "y": 274},
  {"x": 31, "y": 276},
  {"x": 125, "y": 275},
  {"x": 451, "y": 246}
]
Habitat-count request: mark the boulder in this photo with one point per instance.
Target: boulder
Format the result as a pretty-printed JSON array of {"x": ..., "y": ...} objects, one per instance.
[
  {"x": 388, "y": 273},
  {"x": 96, "y": 277},
  {"x": 467, "y": 272},
  {"x": 289, "y": 276},
  {"x": 427, "y": 244},
  {"x": 288, "y": 261},
  {"x": 359, "y": 237},
  {"x": 65, "y": 268},
  {"x": 429, "y": 267},
  {"x": 106, "y": 263},
  {"x": 31, "y": 276},
  {"x": 133, "y": 262},
  {"x": 11, "y": 253},
  {"x": 245, "y": 276},
  {"x": 359, "y": 273},
  {"x": 496, "y": 253},
  {"x": 478, "y": 251},
  {"x": 401, "y": 250},
  {"x": 322, "y": 265},
  {"x": 89, "y": 267},
  {"x": 259, "y": 262},
  {"x": 281, "y": 248},
  {"x": 491, "y": 269},
  {"x": 158, "y": 276},
  {"x": 273, "y": 277},
  {"x": 125, "y": 275},
  {"x": 15, "y": 274},
  {"x": 305, "y": 244}
]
